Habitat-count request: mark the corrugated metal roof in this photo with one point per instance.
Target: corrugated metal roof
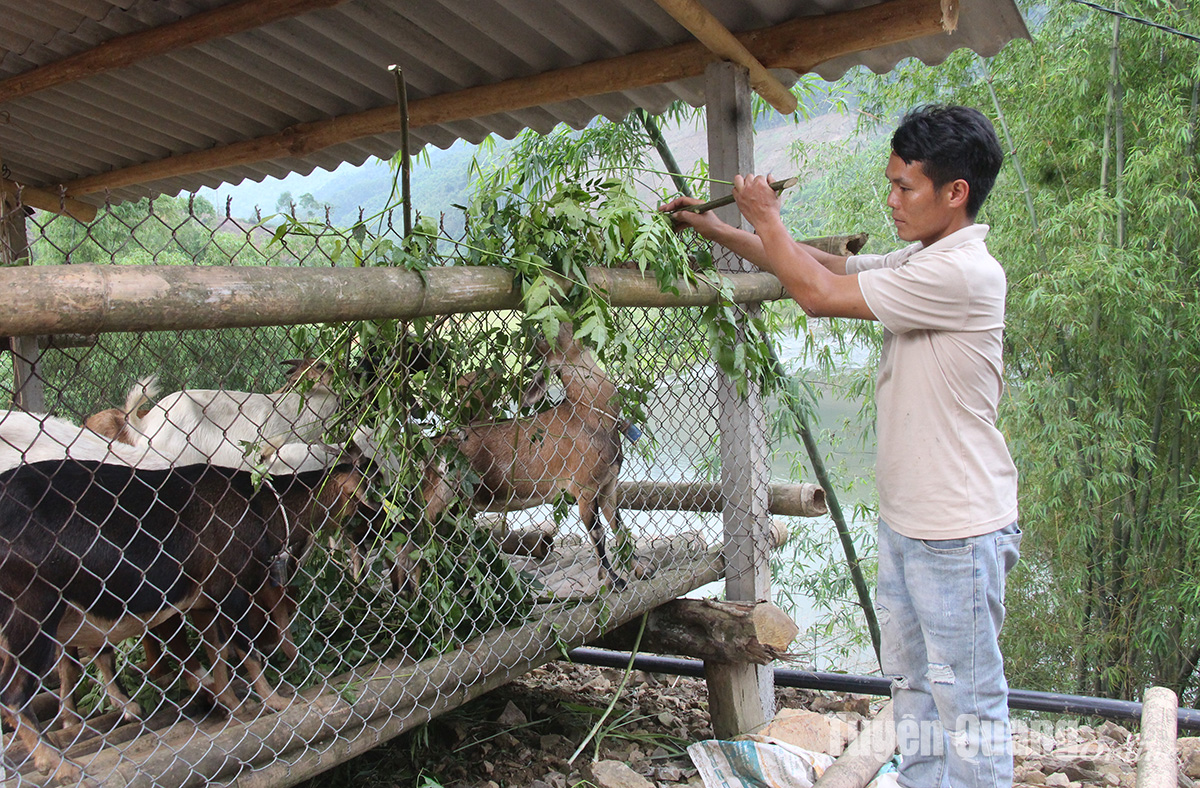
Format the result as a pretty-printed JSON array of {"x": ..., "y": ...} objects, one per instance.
[{"x": 333, "y": 62}]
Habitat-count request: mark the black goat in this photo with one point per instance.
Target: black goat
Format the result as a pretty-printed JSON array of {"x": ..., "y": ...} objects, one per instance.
[{"x": 93, "y": 553}]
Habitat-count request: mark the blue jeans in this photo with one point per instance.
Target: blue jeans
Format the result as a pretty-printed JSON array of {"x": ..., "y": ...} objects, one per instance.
[{"x": 940, "y": 606}]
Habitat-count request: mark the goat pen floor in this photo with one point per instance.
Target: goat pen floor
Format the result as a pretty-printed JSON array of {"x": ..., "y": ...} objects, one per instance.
[{"x": 348, "y": 714}]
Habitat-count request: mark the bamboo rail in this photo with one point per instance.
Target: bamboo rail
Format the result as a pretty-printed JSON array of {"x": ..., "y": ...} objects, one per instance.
[
  {"x": 793, "y": 500},
  {"x": 89, "y": 299}
]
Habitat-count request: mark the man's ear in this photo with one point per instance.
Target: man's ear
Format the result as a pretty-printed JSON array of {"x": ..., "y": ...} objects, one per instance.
[{"x": 958, "y": 191}]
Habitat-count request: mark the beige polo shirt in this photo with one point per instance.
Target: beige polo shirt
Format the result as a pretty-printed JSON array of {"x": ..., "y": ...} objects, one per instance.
[{"x": 942, "y": 469}]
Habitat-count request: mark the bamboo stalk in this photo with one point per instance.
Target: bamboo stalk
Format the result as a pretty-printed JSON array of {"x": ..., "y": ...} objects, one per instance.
[
  {"x": 405, "y": 160},
  {"x": 703, "y": 207},
  {"x": 795, "y": 500},
  {"x": 87, "y": 299},
  {"x": 707, "y": 29}
]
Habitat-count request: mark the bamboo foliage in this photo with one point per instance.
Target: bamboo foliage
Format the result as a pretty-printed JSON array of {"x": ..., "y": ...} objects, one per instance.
[{"x": 1102, "y": 339}]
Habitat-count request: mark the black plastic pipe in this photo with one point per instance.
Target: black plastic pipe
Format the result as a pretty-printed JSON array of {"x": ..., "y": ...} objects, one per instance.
[{"x": 1107, "y": 708}]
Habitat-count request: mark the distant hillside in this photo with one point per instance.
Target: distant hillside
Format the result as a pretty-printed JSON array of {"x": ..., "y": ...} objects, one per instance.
[{"x": 442, "y": 183}]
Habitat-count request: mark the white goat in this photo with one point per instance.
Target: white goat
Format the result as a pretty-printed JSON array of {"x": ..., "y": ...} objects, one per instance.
[
  {"x": 224, "y": 427},
  {"x": 34, "y": 437}
]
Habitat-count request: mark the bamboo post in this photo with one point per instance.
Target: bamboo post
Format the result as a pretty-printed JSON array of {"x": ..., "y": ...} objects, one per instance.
[
  {"x": 28, "y": 392},
  {"x": 741, "y": 695},
  {"x": 405, "y": 158},
  {"x": 1158, "y": 762}
]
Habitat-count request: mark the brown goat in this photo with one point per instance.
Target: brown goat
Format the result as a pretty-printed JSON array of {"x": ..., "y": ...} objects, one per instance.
[{"x": 573, "y": 447}]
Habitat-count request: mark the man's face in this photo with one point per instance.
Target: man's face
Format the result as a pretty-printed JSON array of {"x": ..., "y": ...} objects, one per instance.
[{"x": 919, "y": 211}]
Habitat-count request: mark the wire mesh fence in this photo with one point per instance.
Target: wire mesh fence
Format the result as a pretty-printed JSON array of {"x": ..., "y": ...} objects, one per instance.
[{"x": 271, "y": 548}]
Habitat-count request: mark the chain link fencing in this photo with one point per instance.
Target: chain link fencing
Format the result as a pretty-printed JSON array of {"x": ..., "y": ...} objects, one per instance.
[{"x": 251, "y": 570}]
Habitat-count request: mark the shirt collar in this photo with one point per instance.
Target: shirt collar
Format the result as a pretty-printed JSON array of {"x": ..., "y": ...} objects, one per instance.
[{"x": 974, "y": 232}]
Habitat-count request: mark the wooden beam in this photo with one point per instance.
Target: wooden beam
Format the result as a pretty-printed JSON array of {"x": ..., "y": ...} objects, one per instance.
[
  {"x": 129, "y": 49},
  {"x": 47, "y": 200},
  {"x": 758, "y": 632},
  {"x": 791, "y": 500},
  {"x": 88, "y": 299},
  {"x": 709, "y": 31},
  {"x": 799, "y": 44}
]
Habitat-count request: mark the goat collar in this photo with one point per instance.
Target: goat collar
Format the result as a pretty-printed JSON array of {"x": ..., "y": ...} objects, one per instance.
[{"x": 280, "y": 571}]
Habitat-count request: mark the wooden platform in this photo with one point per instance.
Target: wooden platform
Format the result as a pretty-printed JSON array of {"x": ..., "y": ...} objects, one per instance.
[{"x": 348, "y": 714}]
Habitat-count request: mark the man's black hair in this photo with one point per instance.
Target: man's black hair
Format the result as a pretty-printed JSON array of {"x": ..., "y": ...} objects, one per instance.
[{"x": 951, "y": 142}]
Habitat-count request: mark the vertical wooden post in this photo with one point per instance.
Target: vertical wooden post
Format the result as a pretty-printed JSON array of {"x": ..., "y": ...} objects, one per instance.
[
  {"x": 1158, "y": 753},
  {"x": 741, "y": 695},
  {"x": 28, "y": 393}
]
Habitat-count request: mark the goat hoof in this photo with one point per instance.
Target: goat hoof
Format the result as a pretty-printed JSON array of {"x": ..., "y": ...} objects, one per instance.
[
  {"x": 642, "y": 568},
  {"x": 277, "y": 702},
  {"x": 55, "y": 766}
]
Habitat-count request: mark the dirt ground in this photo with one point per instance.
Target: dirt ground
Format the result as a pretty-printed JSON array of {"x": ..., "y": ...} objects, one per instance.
[{"x": 525, "y": 733}]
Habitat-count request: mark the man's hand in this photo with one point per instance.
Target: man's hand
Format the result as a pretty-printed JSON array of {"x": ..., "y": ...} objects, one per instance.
[
  {"x": 759, "y": 203},
  {"x": 707, "y": 223}
]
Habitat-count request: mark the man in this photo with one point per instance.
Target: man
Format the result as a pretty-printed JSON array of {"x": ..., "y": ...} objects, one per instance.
[{"x": 947, "y": 531}]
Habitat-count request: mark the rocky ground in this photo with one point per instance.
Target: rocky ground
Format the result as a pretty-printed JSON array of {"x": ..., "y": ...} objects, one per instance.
[{"x": 526, "y": 734}]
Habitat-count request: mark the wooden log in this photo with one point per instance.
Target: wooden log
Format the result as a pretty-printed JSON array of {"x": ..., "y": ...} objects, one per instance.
[
  {"x": 1158, "y": 759},
  {"x": 843, "y": 245},
  {"x": 794, "y": 500},
  {"x": 701, "y": 23},
  {"x": 870, "y": 750},
  {"x": 707, "y": 629},
  {"x": 48, "y": 200},
  {"x": 28, "y": 390},
  {"x": 89, "y": 299},
  {"x": 799, "y": 44},
  {"x": 535, "y": 542}
]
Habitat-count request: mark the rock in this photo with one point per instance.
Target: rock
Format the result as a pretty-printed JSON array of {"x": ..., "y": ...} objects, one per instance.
[
  {"x": 1029, "y": 776},
  {"x": 1111, "y": 730},
  {"x": 1082, "y": 749},
  {"x": 668, "y": 774},
  {"x": 614, "y": 774},
  {"x": 1073, "y": 769},
  {"x": 512, "y": 717},
  {"x": 1022, "y": 752},
  {"x": 1189, "y": 756},
  {"x": 811, "y": 731},
  {"x": 555, "y": 779},
  {"x": 551, "y": 742},
  {"x": 667, "y": 719}
]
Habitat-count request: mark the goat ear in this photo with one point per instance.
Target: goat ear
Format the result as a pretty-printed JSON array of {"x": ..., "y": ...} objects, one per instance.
[{"x": 535, "y": 392}]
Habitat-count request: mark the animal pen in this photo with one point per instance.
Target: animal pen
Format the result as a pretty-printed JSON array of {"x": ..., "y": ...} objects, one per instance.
[
  {"x": 377, "y": 616},
  {"x": 373, "y": 662}
]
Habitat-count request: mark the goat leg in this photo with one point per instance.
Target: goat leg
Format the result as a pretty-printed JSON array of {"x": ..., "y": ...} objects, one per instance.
[
  {"x": 589, "y": 512},
  {"x": 106, "y": 662},
  {"x": 69, "y": 673}
]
